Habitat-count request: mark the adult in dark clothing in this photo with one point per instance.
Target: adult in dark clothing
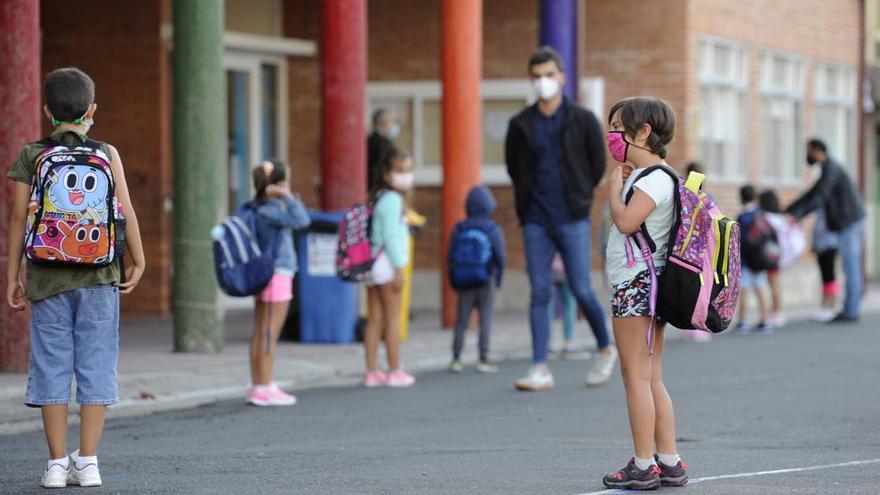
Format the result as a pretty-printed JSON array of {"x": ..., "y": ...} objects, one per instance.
[
  {"x": 844, "y": 215},
  {"x": 386, "y": 129},
  {"x": 555, "y": 155}
]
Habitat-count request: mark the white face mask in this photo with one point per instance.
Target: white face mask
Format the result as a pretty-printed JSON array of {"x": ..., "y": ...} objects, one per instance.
[
  {"x": 545, "y": 88},
  {"x": 394, "y": 131},
  {"x": 402, "y": 181}
]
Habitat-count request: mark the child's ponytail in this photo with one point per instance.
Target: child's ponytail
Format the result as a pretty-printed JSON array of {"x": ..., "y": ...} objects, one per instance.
[{"x": 265, "y": 174}]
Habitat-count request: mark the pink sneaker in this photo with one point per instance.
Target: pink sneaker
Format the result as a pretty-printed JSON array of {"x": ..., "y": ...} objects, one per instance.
[
  {"x": 401, "y": 379},
  {"x": 375, "y": 379},
  {"x": 280, "y": 397},
  {"x": 264, "y": 395}
]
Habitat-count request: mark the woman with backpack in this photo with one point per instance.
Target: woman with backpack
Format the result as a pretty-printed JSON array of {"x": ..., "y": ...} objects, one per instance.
[
  {"x": 640, "y": 129},
  {"x": 279, "y": 213},
  {"x": 389, "y": 237}
]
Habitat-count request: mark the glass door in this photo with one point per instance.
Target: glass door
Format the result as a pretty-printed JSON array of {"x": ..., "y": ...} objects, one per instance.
[{"x": 256, "y": 103}]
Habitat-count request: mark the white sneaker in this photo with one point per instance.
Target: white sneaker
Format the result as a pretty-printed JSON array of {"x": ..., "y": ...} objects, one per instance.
[
  {"x": 824, "y": 315},
  {"x": 538, "y": 378},
  {"x": 603, "y": 365},
  {"x": 56, "y": 476},
  {"x": 87, "y": 476}
]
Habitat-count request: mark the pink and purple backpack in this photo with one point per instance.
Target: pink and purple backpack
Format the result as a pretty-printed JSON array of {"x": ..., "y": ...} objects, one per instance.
[
  {"x": 354, "y": 252},
  {"x": 699, "y": 286}
]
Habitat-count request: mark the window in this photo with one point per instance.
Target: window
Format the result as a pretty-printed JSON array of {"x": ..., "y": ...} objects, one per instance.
[
  {"x": 723, "y": 73},
  {"x": 418, "y": 105},
  {"x": 836, "y": 111},
  {"x": 782, "y": 117}
]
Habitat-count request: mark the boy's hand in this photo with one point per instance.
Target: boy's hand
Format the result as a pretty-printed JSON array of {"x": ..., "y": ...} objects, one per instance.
[
  {"x": 397, "y": 283},
  {"x": 15, "y": 295},
  {"x": 132, "y": 276}
]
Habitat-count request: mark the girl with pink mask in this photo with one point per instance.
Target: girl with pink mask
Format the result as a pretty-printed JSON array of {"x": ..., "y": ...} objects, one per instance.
[
  {"x": 639, "y": 131},
  {"x": 389, "y": 234}
]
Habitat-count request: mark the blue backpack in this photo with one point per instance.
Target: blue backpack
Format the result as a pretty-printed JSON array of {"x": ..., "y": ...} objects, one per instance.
[
  {"x": 470, "y": 257},
  {"x": 244, "y": 263}
]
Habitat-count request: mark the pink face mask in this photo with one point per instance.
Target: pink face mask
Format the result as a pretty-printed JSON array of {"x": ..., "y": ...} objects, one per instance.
[{"x": 617, "y": 145}]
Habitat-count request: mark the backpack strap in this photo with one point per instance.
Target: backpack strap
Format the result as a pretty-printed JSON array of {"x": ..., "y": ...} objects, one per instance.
[
  {"x": 652, "y": 295},
  {"x": 672, "y": 175}
]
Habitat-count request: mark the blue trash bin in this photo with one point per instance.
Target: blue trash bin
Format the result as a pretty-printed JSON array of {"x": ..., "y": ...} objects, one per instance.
[{"x": 327, "y": 306}]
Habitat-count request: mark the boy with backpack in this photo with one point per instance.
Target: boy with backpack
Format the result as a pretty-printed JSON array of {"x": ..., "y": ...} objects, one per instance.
[
  {"x": 476, "y": 265},
  {"x": 70, "y": 205},
  {"x": 760, "y": 252}
]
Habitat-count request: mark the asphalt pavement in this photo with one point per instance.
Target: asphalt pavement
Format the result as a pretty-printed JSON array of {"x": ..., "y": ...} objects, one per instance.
[{"x": 797, "y": 412}]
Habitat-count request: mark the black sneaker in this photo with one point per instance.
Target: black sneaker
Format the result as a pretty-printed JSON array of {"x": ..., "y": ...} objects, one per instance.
[
  {"x": 844, "y": 318},
  {"x": 672, "y": 475},
  {"x": 634, "y": 478}
]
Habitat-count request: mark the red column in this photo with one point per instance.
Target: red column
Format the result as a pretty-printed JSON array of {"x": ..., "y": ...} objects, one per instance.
[
  {"x": 20, "y": 101},
  {"x": 343, "y": 98},
  {"x": 462, "y": 133}
]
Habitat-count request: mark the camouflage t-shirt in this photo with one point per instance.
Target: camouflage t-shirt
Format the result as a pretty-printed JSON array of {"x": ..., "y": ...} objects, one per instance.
[{"x": 47, "y": 281}]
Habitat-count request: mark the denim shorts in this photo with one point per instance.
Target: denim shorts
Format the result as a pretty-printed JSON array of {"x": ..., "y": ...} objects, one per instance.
[{"x": 75, "y": 332}]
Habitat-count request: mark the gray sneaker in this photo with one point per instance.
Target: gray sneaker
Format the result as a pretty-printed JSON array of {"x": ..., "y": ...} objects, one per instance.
[
  {"x": 487, "y": 367},
  {"x": 602, "y": 367}
]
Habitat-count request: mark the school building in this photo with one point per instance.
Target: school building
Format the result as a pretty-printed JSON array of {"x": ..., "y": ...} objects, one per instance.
[{"x": 750, "y": 81}]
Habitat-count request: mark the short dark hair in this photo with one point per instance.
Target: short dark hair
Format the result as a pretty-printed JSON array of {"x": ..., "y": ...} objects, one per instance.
[
  {"x": 818, "y": 145},
  {"x": 640, "y": 110},
  {"x": 69, "y": 92},
  {"x": 378, "y": 115},
  {"x": 546, "y": 54},
  {"x": 769, "y": 201},
  {"x": 695, "y": 167},
  {"x": 747, "y": 194}
]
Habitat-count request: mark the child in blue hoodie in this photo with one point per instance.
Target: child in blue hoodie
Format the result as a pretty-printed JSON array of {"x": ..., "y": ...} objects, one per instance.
[{"x": 476, "y": 265}]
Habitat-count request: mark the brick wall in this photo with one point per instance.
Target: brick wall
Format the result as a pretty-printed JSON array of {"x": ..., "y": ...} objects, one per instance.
[
  {"x": 118, "y": 44},
  {"x": 815, "y": 30}
]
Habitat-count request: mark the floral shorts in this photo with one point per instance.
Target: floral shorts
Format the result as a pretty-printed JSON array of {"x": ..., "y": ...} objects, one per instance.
[{"x": 632, "y": 298}]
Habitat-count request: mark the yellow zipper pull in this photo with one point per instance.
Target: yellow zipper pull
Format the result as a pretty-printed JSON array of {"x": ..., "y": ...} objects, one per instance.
[
  {"x": 702, "y": 281},
  {"x": 717, "y": 281}
]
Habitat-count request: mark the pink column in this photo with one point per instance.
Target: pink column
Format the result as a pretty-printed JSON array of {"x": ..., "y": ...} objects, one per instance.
[{"x": 20, "y": 101}]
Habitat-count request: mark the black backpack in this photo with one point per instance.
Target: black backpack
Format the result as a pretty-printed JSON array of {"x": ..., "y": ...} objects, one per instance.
[{"x": 761, "y": 245}]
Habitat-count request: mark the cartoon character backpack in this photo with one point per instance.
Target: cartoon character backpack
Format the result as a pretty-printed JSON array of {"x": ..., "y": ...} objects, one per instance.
[
  {"x": 73, "y": 214},
  {"x": 699, "y": 287},
  {"x": 469, "y": 257}
]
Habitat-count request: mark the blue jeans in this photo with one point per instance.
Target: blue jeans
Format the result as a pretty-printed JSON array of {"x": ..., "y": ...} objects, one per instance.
[
  {"x": 74, "y": 332},
  {"x": 851, "y": 255},
  {"x": 573, "y": 243}
]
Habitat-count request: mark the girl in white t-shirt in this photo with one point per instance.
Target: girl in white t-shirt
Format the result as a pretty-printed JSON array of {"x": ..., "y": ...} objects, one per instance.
[{"x": 639, "y": 130}]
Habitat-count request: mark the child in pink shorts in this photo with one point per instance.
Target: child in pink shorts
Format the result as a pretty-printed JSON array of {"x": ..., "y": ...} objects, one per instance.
[{"x": 279, "y": 213}]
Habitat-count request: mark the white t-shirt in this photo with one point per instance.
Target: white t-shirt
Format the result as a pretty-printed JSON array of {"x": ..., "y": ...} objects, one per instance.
[{"x": 660, "y": 188}]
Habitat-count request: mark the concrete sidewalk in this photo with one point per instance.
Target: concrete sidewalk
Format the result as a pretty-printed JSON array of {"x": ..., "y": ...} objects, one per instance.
[{"x": 153, "y": 378}]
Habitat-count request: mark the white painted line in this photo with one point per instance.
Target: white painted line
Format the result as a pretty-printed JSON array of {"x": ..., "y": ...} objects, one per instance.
[{"x": 749, "y": 475}]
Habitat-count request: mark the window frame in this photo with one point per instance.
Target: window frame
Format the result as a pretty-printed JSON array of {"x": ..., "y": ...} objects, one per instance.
[
  {"x": 845, "y": 101},
  {"x": 416, "y": 93},
  {"x": 792, "y": 91},
  {"x": 740, "y": 84}
]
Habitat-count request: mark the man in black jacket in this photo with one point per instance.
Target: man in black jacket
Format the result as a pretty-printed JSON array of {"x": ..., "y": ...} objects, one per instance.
[
  {"x": 555, "y": 154},
  {"x": 844, "y": 214}
]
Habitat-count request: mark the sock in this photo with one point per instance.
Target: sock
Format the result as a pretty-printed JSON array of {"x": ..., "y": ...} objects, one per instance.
[
  {"x": 63, "y": 462},
  {"x": 644, "y": 464},
  {"x": 81, "y": 462},
  {"x": 670, "y": 460}
]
